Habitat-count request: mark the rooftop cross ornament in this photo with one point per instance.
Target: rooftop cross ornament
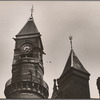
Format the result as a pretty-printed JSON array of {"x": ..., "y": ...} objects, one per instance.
[
  {"x": 70, "y": 38},
  {"x": 32, "y": 11}
]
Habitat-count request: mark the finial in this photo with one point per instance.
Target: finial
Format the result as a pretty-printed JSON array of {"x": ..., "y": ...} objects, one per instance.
[
  {"x": 32, "y": 11},
  {"x": 70, "y": 38}
]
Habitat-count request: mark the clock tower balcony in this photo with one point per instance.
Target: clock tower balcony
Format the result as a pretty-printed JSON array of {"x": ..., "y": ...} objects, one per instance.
[{"x": 29, "y": 86}]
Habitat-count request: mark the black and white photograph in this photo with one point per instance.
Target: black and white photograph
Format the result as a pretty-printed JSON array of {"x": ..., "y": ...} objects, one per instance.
[{"x": 50, "y": 49}]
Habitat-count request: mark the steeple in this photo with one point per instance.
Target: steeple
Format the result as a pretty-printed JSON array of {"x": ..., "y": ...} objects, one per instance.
[
  {"x": 73, "y": 82},
  {"x": 30, "y": 27},
  {"x": 73, "y": 62}
]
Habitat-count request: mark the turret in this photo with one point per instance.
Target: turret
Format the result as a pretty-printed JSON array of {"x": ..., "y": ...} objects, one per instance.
[{"x": 74, "y": 80}]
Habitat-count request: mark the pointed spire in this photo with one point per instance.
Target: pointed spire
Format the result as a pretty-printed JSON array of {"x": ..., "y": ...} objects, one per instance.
[
  {"x": 70, "y": 38},
  {"x": 32, "y": 11},
  {"x": 73, "y": 62},
  {"x": 29, "y": 27}
]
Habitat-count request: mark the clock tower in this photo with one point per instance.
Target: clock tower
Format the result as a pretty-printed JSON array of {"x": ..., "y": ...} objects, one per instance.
[{"x": 27, "y": 68}]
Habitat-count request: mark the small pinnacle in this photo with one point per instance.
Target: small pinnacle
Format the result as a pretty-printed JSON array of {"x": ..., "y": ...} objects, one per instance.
[
  {"x": 70, "y": 38},
  {"x": 54, "y": 80}
]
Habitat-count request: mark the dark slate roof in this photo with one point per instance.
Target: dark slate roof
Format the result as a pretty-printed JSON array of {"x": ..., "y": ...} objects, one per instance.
[
  {"x": 29, "y": 28},
  {"x": 73, "y": 62}
]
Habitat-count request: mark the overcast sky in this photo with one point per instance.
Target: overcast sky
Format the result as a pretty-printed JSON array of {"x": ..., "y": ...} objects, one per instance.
[{"x": 55, "y": 20}]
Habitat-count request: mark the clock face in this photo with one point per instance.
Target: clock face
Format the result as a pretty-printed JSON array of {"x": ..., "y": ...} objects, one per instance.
[{"x": 26, "y": 48}]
